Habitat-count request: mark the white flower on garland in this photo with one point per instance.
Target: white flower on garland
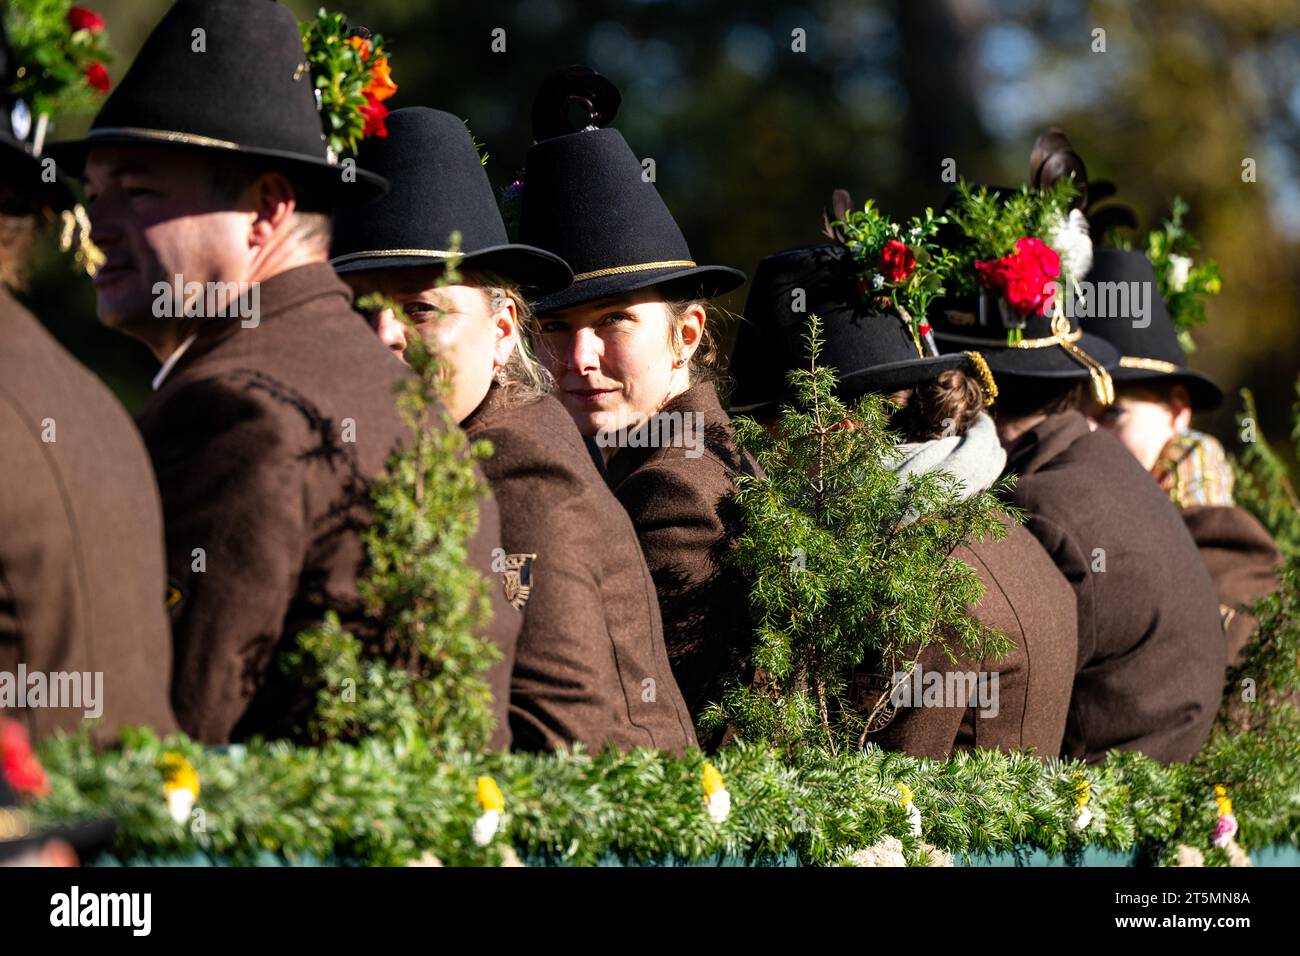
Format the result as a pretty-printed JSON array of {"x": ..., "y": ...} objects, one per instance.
[
  {"x": 913, "y": 811},
  {"x": 1180, "y": 267},
  {"x": 717, "y": 800},
  {"x": 493, "y": 804},
  {"x": 1082, "y": 794},
  {"x": 180, "y": 786},
  {"x": 1069, "y": 236}
]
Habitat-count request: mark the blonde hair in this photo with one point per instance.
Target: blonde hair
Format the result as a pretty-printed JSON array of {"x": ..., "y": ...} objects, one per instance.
[{"x": 525, "y": 378}]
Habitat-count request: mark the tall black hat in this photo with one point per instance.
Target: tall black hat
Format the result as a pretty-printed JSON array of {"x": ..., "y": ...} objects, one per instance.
[
  {"x": 870, "y": 351},
  {"x": 19, "y": 161},
  {"x": 585, "y": 199},
  {"x": 248, "y": 92},
  {"x": 1147, "y": 344},
  {"x": 438, "y": 186}
]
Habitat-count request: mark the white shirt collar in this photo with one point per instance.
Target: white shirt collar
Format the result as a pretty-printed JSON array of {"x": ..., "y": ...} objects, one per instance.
[{"x": 172, "y": 360}]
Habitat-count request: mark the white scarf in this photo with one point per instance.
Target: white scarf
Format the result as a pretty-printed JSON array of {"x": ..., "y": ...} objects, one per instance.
[{"x": 976, "y": 459}]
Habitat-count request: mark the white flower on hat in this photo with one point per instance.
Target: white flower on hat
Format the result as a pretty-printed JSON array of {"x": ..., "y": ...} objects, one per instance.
[
  {"x": 1179, "y": 269},
  {"x": 1069, "y": 236}
]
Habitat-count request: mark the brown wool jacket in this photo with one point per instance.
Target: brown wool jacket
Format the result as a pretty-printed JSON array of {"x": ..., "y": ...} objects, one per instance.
[
  {"x": 590, "y": 665},
  {"x": 686, "y": 520},
  {"x": 265, "y": 441},
  {"x": 1027, "y": 599},
  {"x": 82, "y": 576},
  {"x": 1243, "y": 561},
  {"x": 1151, "y": 649}
]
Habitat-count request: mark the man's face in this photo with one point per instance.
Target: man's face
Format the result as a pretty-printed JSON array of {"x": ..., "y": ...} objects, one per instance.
[
  {"x": 612, "y": 360},
  {"x": 1144, "y": 425},
  {"x": 456, "y": 321},
  {"x": 155, "y": 214}
]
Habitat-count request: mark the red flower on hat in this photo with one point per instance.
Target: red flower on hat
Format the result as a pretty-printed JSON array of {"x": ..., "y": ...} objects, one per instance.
[
  {"x": 375, "y": 113},
  {"x": 897, "y": 261},
  {"x": 79, "y": 18},
  {"x": 97, "y": 77},
  {"x": 1026, "y": 277},
  {"x": 21, "y": 769}
]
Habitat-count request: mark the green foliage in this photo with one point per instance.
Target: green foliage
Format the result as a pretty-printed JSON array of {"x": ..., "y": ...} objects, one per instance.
[
  {"x": 1184, "y": 285},
  {"x": 866, "y": 233},
  {"x": 343, "y": 76},
  {"x": 846, "y": 562},
  {"x": 420, "y": 681},
  {"x": 53, "y": 57},
  {"x": 1264, "y": 486},
  {"x": 377, "y": 803},
  {"x": 991, "y": 223}
]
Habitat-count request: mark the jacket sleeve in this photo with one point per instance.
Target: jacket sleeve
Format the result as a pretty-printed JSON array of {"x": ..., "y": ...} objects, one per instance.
[
  {"x": 1074, "y": 565},
  {"x": 236, "y": 530}
]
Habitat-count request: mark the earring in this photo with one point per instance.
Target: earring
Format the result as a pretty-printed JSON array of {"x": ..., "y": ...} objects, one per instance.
[
  {"x": 679, "y": 363},
  {"x": 500, "y": 375}
]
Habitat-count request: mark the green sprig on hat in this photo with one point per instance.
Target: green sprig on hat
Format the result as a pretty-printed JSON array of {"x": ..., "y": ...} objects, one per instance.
[
  {"x": 350, "y": 73},
  {"x": 1184, "y": 284},
  {"x": 902, "y": 267}
]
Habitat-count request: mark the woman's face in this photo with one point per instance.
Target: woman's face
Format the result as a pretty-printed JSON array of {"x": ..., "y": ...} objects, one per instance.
[
  {"x": 1142, "y": 424},
  {"x": 613, "y": 361},
  {"x": 456, "y": 321}
]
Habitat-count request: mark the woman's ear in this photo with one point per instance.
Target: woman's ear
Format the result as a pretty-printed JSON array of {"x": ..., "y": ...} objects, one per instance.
[
  {"x": 1180, "y": 405},
  {"x": 691, "y": 325},
  {"x": 505, "y": 320}
]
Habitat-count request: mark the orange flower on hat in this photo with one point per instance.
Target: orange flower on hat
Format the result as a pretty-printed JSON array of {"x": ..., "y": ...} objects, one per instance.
[
  {"x": 381, "y": 80},
  {"x": 361, "y": 45}
]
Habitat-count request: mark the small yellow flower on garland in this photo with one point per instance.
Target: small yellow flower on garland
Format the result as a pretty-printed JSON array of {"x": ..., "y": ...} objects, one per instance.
[
  {"x": 180, "y": 785},
  {"x": 352, "y": 78},
  {"x": 1082, "y": 794},
  {"x": 493, "y": 803},
  {"x": 913, "y": 811},
  {"x": 717, "y": 799}
]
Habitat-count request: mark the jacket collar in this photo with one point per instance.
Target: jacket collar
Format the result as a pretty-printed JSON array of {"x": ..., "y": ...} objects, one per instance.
[
  {"x": 282, "y": 293},
  {"x": 1045, "y": 441},
  {"x": 701, "y": 397}
]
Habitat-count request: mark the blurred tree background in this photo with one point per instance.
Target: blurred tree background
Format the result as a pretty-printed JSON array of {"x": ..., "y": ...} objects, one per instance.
[{"x": 749, "y": 135}]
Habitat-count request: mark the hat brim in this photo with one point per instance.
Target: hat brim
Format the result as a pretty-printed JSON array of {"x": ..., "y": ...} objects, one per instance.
[
  {"x": 19, "y": 165},
  {"x": 1051, "y": 362},
  {"x": 324, "y": 180},
  {"x": 533, "y": 268},
  {"x": 1204, "y": 393},
  {"x": 88, "y": 837},
  {"x": 889, "y": 377},
  {"x": 698, "y": 282}
]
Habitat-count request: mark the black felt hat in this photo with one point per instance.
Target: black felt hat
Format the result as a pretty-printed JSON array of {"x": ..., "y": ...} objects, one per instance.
[
  {"x": 438, "y": 186},
  {"x": 586, "y": 200},
  {"x": 19, "y": 162},
  {"x": 1147, "y": 344},
  {"x": 870, "y": 351},
  {"x": 248, "y": 93}
]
